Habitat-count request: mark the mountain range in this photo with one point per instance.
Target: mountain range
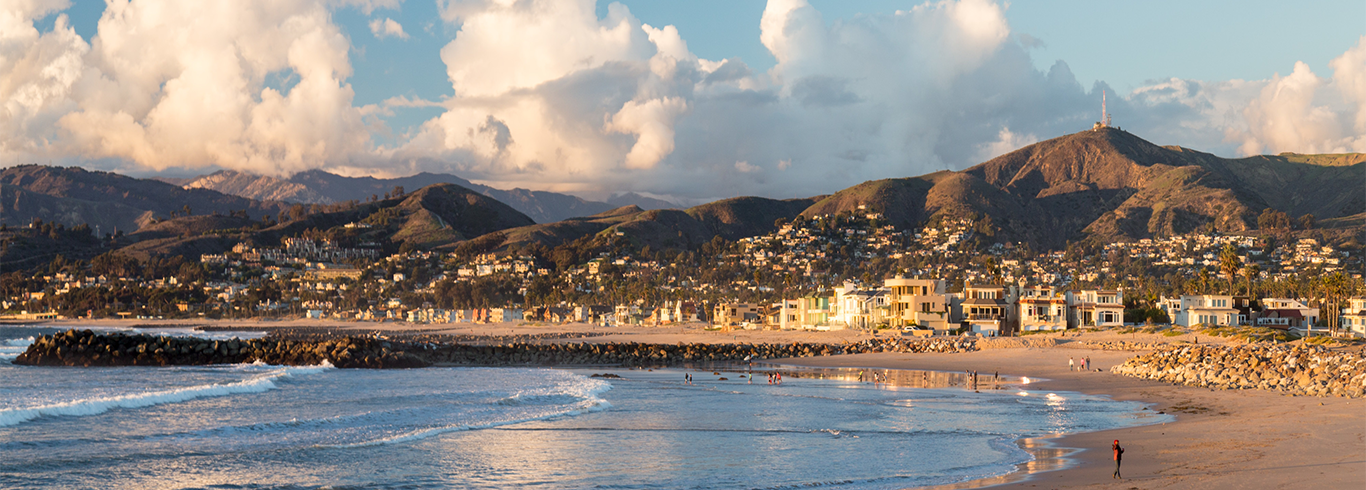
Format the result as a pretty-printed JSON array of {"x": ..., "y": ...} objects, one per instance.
[
  {"x": 1102, "y": 185},
  {"x": 320, "y": 187}
]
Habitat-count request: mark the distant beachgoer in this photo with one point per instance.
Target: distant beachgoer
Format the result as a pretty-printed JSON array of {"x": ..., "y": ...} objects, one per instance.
[
  {"x": 1119, "y": 454},
  {"x": 1088, "y": 363},
  {"x": 1071, "y": 364}
]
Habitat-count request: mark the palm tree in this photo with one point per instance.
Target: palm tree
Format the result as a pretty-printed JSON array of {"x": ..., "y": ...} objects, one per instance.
[
  {"x": 1229, "y": 263},
  {"x": 1250, "y": 272}
]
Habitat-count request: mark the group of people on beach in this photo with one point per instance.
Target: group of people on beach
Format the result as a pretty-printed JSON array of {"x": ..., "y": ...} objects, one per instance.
[
  {"x": 876, "y": 377},
  {"x": 1085, "y": 364}
]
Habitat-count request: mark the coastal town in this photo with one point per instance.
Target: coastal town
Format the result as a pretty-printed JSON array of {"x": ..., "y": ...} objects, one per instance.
[{"x": 831, "y": 272}]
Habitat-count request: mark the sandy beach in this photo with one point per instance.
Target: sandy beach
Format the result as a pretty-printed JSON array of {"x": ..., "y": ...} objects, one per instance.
[{"x": 1220, "y": 439}]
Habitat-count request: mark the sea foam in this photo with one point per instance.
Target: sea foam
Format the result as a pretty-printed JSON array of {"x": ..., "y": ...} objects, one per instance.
[
  {"x": 582, "y": 395},
  {"x": 96, "y": 406}
]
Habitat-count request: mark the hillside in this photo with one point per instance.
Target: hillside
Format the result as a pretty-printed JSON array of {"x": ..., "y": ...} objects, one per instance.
[
  {"x": 320, "y": 187},
  {"x": 667, "y": 228},
  {"x": 74, "y": 196},
  {"x": 1102, "y": 185},
  {"x": 437, "y": 216},
  {"x": 1111, "y": 185}
]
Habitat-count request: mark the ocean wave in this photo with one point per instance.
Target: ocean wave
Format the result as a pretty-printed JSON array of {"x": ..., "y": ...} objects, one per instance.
[
  {"x": 25, "y": 342},
  {"x": 581, "y": 397},
  {"x": 96, "y": 406}
]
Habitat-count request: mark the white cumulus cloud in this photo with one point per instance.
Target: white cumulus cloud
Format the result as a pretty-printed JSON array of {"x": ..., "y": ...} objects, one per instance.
[
  {"x": 387, "y": 27},
  {"x": 548, "y": 95}
]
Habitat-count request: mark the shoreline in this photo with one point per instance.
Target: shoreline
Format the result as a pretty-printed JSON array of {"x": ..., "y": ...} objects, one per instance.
[
  {"x": 1220, "y": 439},
  {"x": 1047, "y": 452}
]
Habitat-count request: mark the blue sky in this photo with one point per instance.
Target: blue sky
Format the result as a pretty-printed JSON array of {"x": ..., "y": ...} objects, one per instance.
[
  {"x": 1122, "y": 43},
  {"x": 1220, "y": 76}
]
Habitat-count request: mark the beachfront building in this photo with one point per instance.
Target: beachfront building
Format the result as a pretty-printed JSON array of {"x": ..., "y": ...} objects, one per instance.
[
  {"x": 627, "y": 315},
  {"x": 986, "y": 309},
  {"x": 1042, "y": 308},
  {"x": 1354, "y": 317},
  {"x": 672, "y": 312},
  {"x": 859, "y": 308},
  {"x": 505, "y": 314},
  {"x": 1291, "y": 315},
  {"x": 816, "y": 312},
  {"x": 1203, "y": 309},
  {"x": 922, "y": 302},
  {"x": 1095, "y": 308},
  {"x": 736, "y": 314}
]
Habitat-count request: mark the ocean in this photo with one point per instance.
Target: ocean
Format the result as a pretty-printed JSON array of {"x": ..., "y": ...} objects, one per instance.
[{"x": 262, "y": 426}]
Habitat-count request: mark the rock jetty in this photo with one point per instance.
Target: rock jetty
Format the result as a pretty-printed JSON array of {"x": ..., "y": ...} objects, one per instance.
[
  {"x": 638, "y": 354},
  {"x": 1120, "y": 345},
  {"x": 1293, "y": 369},
  {"x": 86, "y": 348}
]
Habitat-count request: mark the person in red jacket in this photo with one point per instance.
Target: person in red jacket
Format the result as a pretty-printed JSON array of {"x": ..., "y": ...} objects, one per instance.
[{"x": 1119, "y": 454}]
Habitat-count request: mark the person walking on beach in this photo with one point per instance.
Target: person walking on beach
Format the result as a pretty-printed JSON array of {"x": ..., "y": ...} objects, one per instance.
[
  {"x": 1087, "y": 363},
  {"x": 1119, "y": 454},
  {"x": 1071, "y": 365}
]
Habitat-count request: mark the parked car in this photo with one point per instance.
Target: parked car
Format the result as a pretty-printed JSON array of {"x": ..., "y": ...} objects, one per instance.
[{"x": 916, "y": 331}]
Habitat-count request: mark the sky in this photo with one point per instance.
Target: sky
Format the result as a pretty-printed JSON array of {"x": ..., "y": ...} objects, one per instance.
[{"x": 686, "y": 101}]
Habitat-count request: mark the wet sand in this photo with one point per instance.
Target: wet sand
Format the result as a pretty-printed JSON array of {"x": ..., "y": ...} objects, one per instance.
[{"x": 1221, "y": 439}]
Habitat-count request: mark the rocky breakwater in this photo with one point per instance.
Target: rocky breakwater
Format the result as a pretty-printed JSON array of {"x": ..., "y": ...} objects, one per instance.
[
  {"x": 1298, "y": 369},
  {"x": 1121, "y": 345},
  {"x": 86, "y": 348},
  {"x": 640, "y": 354}
]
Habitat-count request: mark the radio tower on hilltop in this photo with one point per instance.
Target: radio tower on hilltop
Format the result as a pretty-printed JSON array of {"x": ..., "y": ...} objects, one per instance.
[{"x": 1104, "y": 114}]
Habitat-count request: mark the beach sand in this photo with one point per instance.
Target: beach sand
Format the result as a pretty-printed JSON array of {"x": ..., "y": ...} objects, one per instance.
[{"x": 1220, "y": 439}]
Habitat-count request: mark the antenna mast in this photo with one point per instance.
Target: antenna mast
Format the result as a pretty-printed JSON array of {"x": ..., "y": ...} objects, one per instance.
[{"x": 1104, "y": 114}]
